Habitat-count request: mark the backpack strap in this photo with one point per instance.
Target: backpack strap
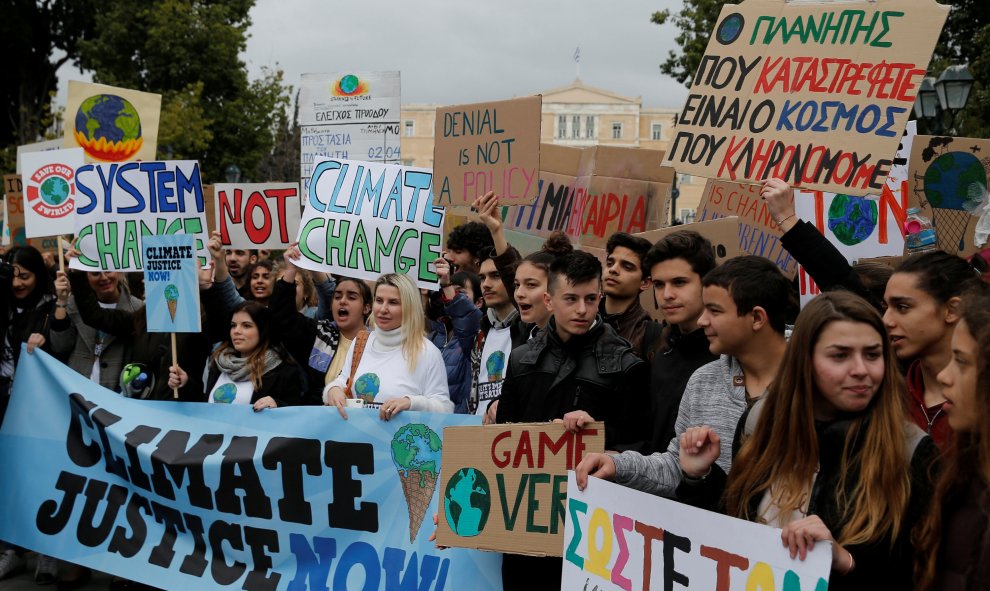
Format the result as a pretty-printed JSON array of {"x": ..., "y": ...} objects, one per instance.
[{"x": 359, "y": 343}]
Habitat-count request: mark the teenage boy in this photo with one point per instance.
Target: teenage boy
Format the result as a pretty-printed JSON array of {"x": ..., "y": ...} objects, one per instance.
[
  {"x": 626, "y": 276},
  {"x": 677, "y": 263},
  {"x": 577, "y": 370},
  {"x": 747, "y": 303}
]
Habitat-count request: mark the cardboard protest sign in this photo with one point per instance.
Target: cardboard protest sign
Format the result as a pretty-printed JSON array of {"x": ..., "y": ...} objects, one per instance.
[
  {"x": 485, "y": 147},
  {"x": 815, "y": 93},
  {"x": 948, "y": 181},
  {"x": 111, "y": 124},
  {"x": 44, "y": 146},
  {"x": 348, "y": 116},
  {"x": 758, "y": 233},
  {"x": 288, "y": 498},
  {"x": 620, "y": 538},
  {"x": 14, "y": 232},
  {"x": 119, "y": 204},
  {"x": 50, "y": 191},
  {"x": 171, "y": 285},
  {"x": 259, "y": 215},
  {"x": 364, "y": 219},
  {"x": 503, "y": 485}
]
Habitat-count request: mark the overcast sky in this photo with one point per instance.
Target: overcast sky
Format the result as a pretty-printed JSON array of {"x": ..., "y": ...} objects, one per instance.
[{"x": 453, "y": 52}]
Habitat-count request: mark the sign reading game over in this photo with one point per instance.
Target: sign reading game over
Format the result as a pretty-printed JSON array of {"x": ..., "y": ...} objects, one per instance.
[
  {"x": 363, "y": 219},
  {"x": 348, "y": 115},
  {"x": 620, "y": 538},
  {"x": 816, "y": 94},
  {"x": 218, "y": 497},
  {"x": 488, "y": 147},
  {"x": 118, "y": 204},
  {"x": 504, "y": 486}
]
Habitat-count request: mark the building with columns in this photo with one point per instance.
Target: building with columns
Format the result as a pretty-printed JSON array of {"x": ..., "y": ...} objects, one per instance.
[{"x": 576, "y": 115}]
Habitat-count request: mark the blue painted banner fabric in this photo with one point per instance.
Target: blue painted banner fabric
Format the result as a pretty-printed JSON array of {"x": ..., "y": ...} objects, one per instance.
[{"x": 199, "y": 496}]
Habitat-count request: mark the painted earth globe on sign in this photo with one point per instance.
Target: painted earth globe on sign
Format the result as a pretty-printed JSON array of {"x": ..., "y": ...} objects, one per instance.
[
  {"x": 467, "y": 502},
  {"x": 54, "y": 190},
  {"x": 108, "y": 128},
  {"x": 956, "y": 180},
  {"x": 852, "y": 219}
]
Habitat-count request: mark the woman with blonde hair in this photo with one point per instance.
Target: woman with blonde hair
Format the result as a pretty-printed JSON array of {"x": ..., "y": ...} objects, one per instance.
[
  {"x": 827, "y": 454},
  {"x": 952, "y": 541},
  {"x": 395, "y": 367}
]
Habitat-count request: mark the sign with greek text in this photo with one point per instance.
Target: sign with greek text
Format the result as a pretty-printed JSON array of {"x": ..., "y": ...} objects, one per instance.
[
  {"x": 111, "y": 124},
  {"x": 364, "y": 219},
  {"x": 503, "y": 486},
  {"x": 258, "y": 215},
  {"x": 50, "y": 191},
  {"x": 349, "y": 116},
  {"x": 194, "y": 496},
  {"x": 488, "y": 147},
  {"x": 117, "y": 205},
  {"x": 171, "y": 285},
  {"x": 619, "y": 538},
  {"x": 816, "y": 94},
  {"x": 948, "y": 182},
  {"x": 759, "y": 235}
]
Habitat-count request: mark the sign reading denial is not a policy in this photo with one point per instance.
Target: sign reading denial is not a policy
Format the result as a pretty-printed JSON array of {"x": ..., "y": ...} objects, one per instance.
[
  {"x": 816, "y": 94},
  {"x": 363, "y": 219},
  {"x": 503, "y": 487},
  {"x": 488, "y": 147}
]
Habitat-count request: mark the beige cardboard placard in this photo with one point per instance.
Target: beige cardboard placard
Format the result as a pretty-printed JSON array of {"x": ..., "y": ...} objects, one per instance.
[
  {"x": 209, "y": 204},
  {"x": 814, "y": 93},
  {"x": 14, "y": 220},
  {"x": 513, "y": 479},
  {"x": 758, "y": 234},
  {"x": 111, "y": 124},
  {"x": 483, "y": 147},
  {"x": 948, "y": 179}
]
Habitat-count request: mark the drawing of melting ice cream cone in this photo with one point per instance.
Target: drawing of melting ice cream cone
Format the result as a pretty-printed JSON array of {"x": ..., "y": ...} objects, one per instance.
[
  {"x": 416, "y": 455},
  {"x": 172, "y": 299}
]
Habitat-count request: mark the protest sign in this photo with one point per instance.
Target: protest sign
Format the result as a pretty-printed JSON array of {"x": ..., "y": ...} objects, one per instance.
[
  {"x": 503, "y": 485},
  {"x": 44, "y": 146},
  {"x": 948, "y": 181},
  {"x": 620, "y": 538},
  {"x": 259, "y": 215},
  {"x": 50, "y": 191},
  {"x": 815, "y": 93},
  {"x": 364, "y": 219},
  {"x": 348, "y": 116},
  {"x": 119, "y": 204},
  {"x": 759, "y": 234},
  {"x": 171, "y": 285},
  {"x": 14, "y": 233},
  {"x": 204, "y": 496},
  {"x": 483, "y": 147},
  {"x": 111, "y": 124}
]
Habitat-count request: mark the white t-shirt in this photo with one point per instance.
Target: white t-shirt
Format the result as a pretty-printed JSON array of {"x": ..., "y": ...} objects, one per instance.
[
  {"x": 385, "y": 375},
  {"x": 226, "y": 391},
  {"x": 494, "y": 362}
]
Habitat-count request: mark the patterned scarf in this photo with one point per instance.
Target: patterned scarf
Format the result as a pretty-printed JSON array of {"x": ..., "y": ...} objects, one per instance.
[{"x": 236, "y": 367}]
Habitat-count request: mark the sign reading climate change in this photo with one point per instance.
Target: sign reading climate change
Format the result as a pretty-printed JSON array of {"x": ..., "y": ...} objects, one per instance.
[
  {"x": 119, "y": 204},
  {"x": 816, "y": 94},
  {"x": 619, "y": 538},
  {"x": 363, "y": 219},
  {"x": 350, "y": 116},
  {"x": 202, "y": 496}
]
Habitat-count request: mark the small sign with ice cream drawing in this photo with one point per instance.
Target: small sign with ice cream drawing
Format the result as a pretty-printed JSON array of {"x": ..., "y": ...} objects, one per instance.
[{"x": 170, "y": 283}]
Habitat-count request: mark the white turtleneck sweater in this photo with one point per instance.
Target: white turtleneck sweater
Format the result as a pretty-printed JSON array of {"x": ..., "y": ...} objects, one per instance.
[{"x": 383, "y": 374}]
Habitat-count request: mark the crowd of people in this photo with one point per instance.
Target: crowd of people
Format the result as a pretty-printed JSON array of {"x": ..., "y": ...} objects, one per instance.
[{"x": 862, "y": 419}]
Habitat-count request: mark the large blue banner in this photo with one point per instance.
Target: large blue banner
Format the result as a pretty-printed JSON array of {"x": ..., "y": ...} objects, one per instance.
[{"x": 204, "y": 496}]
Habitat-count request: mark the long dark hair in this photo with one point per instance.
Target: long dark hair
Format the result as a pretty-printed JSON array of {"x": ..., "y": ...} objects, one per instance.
[
  {"x": 268, "y": 339},
  {"x": 28, "y": 258},
  {"x": 966, "y": 457}
]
